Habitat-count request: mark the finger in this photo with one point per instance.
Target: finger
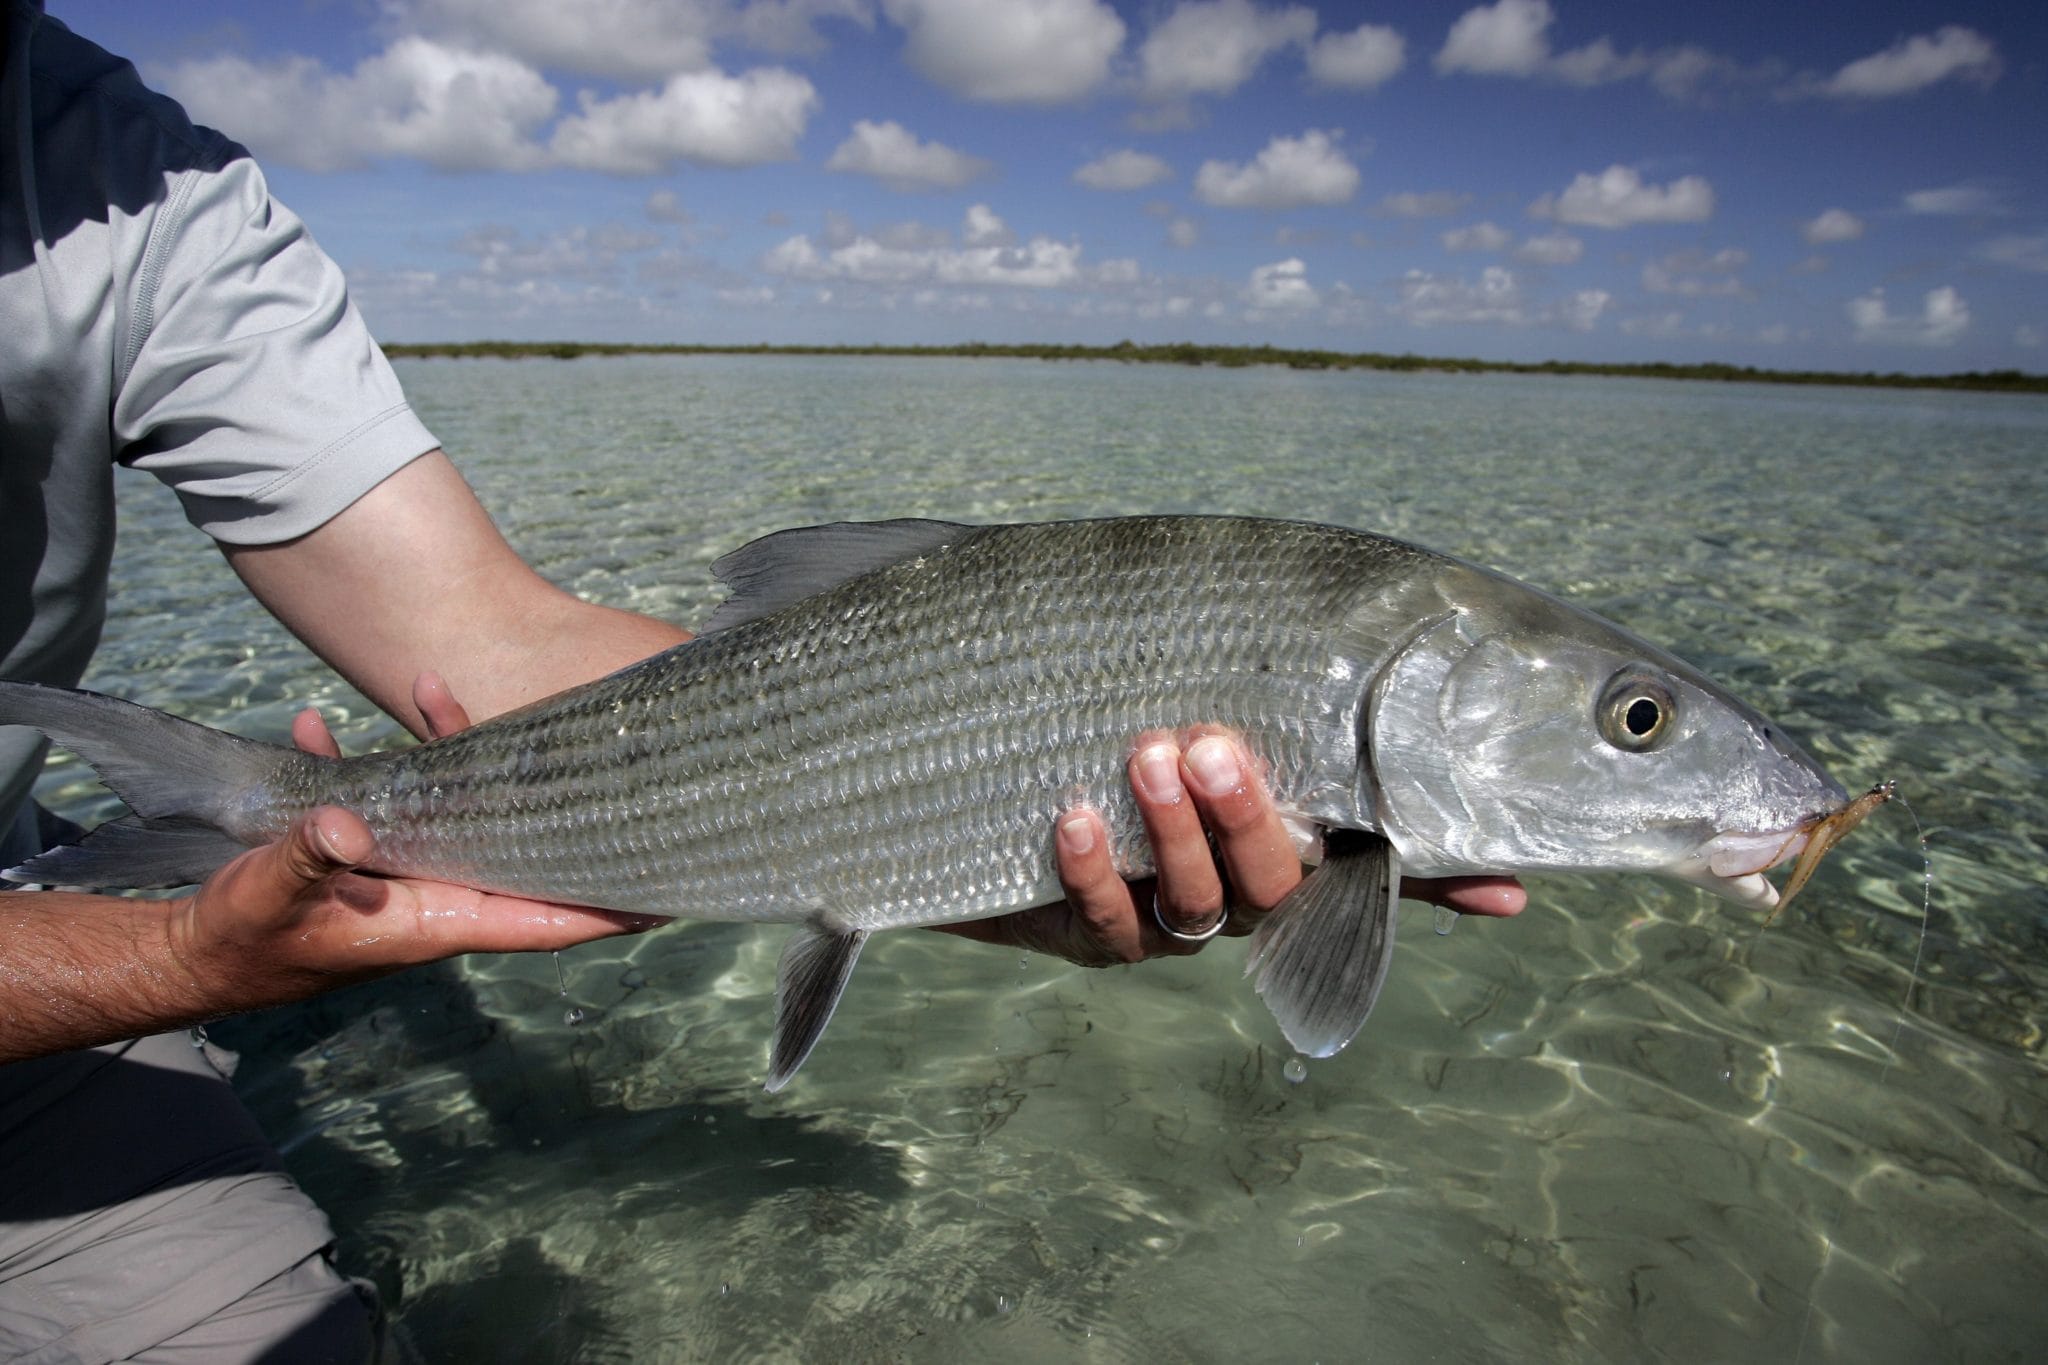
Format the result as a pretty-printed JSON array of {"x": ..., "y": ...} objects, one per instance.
[
  {"x": 1495, "y": 897},
  {"x": 456, "y": 919},
  {"x": 1100, "y": 899},
  {"x": 1054, "y": 930},
  {"x": 437, "y": 705},
  {"x": 1190, "y": 896},
  {"x": 310, "y": 733},
  {"x": 270, "y": 885},
  {"x": 1250, "y": 836}
]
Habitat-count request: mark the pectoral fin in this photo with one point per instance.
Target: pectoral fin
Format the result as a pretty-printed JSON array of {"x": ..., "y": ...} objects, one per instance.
[
  {"x": 816, "y": 964},
  {"x": 1321, "y": 956}
]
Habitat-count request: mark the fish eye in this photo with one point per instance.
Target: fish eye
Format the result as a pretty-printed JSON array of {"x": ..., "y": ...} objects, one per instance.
[{"x": 1635, "y": 711}]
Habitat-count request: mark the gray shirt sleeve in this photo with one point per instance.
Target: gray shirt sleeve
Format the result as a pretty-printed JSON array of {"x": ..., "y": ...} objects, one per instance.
[{"x": 249, "y": 383}]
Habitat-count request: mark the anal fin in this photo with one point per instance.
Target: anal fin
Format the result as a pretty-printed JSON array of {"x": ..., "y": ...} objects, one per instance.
[
  {"x": 815, "y": 966},
  {"x": 1322, "y": 955}
]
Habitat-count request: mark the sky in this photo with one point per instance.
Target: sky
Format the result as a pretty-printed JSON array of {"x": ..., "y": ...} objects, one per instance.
[{"x": 1837, "y": 184}]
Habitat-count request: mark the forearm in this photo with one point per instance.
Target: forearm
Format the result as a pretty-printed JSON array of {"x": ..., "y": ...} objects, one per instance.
[
  {"x": 415, "y": 578},
  {"x": 81, "y": 969},
  {"x": 553, "y": 643}
]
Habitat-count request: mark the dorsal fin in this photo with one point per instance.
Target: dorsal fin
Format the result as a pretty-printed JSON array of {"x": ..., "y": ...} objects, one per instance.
[{"x": 768, "y": 574}]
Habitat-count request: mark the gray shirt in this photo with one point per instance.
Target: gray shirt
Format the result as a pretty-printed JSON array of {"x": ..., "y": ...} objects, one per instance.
[{"x": 158, "y": 309}]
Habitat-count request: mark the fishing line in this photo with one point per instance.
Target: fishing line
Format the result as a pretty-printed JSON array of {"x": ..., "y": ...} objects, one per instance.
[{"x": 1884, "y": 1071}]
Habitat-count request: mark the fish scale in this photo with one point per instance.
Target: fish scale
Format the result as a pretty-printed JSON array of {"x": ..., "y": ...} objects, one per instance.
[
  {"x": 881, "y": 726},
  {"x": 925, "y": 779}
]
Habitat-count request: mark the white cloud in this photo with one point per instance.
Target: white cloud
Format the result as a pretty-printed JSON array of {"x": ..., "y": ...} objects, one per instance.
[
  {"x": 2018, "y": 251},
  {"x": 915, "y": 255},
  {"x": 1283, "y": 284},
  {"x": 1211, "y": 47},
  {"x": 1832, "y": 225},
  {"x": 782, "y": 26},
  {"x": 984, "y": 228},
  {"x": 1123, "y": 170},
  {"x": 1944, "y": 317},
  {"x": 572, "y": 253},
  {"x": 1953, "y": 201},
  {"x": 1502, "y": 39},
  {"x": 1427, "y": 299},
  {"x": 1583, "y": 309},
  {"x": 1477, "y": 237},
  {"x": 1362, "y": 59},
  {"x": 1423, "y": 204},
  {"x": 663, "y": 206},
  {"x": 1512, "y": 38},
  {"x": 893, "y": 154},
  {"x": 1916, "y": 63},
  {"x": 632, "y": 39},
  {"x": 705, "y": 117},
  {"x": 1011, "y": 51},
  {"x": 1497, "y": 296},
  {"x": 2026, "y": 334},
  {"x": 1619, "y": 197},
  {"x": 457, "y": 110},
  {"x": 1600, "y": 63},
  {"x": 645, "y": 40},
  {"x": 1291, "y": 171},
  {"x": 1183, "y": 233},
  {"x": 1120, "y": 271},
  {"x": 1695, "y": 274},
  {"x": 1682, "y": 74},
  {"x": 1659, "y": 325},
  {"x": 1552, "y": 248}
]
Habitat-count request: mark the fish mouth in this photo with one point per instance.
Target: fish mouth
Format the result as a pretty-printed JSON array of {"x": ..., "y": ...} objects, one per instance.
[{"x": 1732, "y": 864}]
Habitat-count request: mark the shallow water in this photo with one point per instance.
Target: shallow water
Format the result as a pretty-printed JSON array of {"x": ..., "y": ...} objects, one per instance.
[{"x": 1626, "y": 1125}]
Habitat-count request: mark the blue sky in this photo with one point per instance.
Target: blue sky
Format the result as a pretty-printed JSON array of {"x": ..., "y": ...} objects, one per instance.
[{"x": 1833, "y": 184}]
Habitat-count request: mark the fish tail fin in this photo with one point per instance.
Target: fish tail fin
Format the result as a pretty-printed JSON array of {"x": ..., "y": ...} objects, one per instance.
[
  {"x": 816, "y": 964},
  {"x": 184, "y": 782}
]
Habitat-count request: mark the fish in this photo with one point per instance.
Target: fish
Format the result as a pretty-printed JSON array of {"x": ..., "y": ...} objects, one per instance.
[{"x": 881, "y": 725}]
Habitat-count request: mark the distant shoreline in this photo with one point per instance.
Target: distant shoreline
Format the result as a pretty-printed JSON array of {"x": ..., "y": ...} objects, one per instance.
[{"x": 1231, "y": 357}]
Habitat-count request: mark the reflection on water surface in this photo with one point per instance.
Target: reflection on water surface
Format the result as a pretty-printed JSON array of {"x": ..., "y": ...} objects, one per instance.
[{"x": 1626, "y": 1125}]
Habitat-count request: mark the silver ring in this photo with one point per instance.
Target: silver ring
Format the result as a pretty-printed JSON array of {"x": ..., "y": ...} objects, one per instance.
[{"x": 1222, "y": 919}]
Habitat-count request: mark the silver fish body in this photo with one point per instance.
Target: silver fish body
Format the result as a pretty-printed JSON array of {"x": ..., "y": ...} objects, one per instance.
[{"x": 881, "y": 727}]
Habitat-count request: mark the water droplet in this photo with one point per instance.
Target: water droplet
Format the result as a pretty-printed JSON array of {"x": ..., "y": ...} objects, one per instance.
[
  {"x": 573, "y": 1016},
  {"x": 1296, "y": 1070},
  {"x": 723, "y": 1290},
  {"x": 1002, "y": 1303},
  {"x": 1445, "y": 921},
  {"x": 633, "y": 978}
]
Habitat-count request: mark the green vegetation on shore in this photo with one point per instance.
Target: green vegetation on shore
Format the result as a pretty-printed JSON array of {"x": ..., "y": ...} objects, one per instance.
[{"x": 1188, "y": 353}]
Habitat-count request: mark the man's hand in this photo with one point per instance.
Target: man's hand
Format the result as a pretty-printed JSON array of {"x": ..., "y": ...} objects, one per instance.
[
  {"x": 1212, "y": 789},
  {"x": 293, "y": 918}
]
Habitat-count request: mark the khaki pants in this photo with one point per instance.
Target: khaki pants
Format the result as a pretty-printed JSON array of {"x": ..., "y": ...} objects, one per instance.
[{"x": 144, "y": 1216}]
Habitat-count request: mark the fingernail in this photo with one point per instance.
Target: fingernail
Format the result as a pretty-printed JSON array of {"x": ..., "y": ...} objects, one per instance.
[
  {"x": 327, "y": 832},
  {"x": 1159, "y": 773},
  {"x": 1077, "y": 834},
  {"x": 1214, "y": 764}
]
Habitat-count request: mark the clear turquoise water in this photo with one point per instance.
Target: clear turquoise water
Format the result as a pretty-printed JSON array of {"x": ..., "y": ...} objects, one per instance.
[{"x": 1627, "y": 1125}]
